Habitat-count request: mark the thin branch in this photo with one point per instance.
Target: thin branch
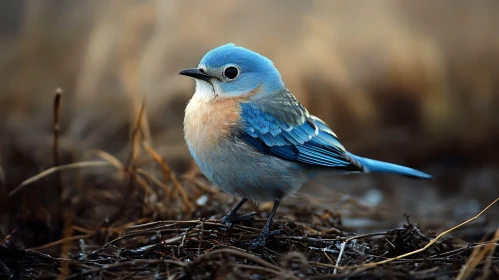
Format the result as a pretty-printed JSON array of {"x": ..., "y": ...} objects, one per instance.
[
  {"x": 130, "y": 164},
  {"x": 51, "y": 170},
  {"x": 167, "y": 171}
]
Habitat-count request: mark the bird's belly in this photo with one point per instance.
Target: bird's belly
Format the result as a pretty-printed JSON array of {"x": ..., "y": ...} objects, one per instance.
[{"x": 238, "y": 169}]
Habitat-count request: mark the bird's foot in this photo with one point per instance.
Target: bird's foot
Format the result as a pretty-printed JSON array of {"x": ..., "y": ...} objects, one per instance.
[
  {"x": 230, "y": 219},
  {"x": 262, "y": 238}
]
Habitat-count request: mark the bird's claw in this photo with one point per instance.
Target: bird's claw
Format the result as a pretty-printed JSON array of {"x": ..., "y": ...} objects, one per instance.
[
  {"x": 262, "y": 238},
  {"x": 275, "y": 232},
  {"x": 229, "y": 219}
]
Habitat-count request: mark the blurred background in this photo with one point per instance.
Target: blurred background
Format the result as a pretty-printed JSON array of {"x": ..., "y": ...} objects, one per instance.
[{"x": 415, "y": 83}]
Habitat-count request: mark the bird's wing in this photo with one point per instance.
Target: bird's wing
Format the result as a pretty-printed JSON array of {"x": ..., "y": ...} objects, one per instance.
[{"x": 279, "y": 125}]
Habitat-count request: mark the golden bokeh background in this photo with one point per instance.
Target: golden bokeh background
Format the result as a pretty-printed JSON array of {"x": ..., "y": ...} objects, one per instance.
[{"x": 411, "y": 82}]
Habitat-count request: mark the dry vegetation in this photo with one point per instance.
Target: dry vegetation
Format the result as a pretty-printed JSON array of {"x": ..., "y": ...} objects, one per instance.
[{"x": 95, "y": 184}]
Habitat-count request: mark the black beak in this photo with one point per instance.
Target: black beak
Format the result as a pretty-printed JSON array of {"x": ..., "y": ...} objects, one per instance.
[{"x": 196, "y": 73}]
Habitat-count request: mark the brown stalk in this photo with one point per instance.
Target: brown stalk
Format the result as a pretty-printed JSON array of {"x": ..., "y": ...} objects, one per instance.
[
  {"x": 62, "y": 241},
  {"x": 476, "y": 257},
  {"x": 56, "y": 128},
  {"x": 57, "y": 169},
  {"x": 130, "y": 165},
  {"x": 7, "y": 237},
  {"x": 168, "y": 173},
  {"x": 66, "y": 245}
]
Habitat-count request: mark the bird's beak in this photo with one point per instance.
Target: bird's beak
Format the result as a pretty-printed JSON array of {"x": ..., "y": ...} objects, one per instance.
[{"x": 196, "y": 73}]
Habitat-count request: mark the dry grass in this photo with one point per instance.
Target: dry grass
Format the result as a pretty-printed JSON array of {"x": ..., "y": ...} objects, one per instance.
[{"x": 414, "y": 83}]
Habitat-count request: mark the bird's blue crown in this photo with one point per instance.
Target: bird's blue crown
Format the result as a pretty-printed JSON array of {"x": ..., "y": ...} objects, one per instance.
[{"x": 253, "y": 70}]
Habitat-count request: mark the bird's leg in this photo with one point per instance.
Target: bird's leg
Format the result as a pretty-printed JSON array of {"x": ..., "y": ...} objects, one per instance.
[
  {"x": 262, "y": 238},
  {"x": 231, "y": 217}
]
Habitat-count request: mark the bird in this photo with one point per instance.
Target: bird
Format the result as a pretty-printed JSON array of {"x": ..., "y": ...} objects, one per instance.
[{"x": 253, "y": 139}]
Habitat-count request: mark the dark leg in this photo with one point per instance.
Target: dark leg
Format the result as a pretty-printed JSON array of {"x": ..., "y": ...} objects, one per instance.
[
  {"x": 231, "y": 217},
  {"x": 262, "y": 238}
]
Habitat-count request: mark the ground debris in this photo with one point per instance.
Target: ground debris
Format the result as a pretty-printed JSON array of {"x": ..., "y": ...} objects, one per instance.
[
  {"x": 202, "y": 249},
  {"x": 124, "y": 222}
]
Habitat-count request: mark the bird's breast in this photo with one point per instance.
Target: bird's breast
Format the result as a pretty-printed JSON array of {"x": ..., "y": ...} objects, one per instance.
[{"x": 207, "y": 123}]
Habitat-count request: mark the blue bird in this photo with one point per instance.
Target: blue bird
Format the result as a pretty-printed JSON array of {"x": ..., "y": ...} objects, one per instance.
[{"x": 253, "y": 139}]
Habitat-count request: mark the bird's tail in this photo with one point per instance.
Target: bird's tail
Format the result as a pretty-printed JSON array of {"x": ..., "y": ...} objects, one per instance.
[{"x": 371, "y": 165}]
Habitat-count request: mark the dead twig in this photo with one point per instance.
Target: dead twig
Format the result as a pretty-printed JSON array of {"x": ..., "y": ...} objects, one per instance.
[
  {"x": 167, "y": 173},
  {"x": 51, "y": 170},
  {"x": 7, "y": 237},
  {"x": 56, "y": 129},
  {"x": 66, "y": 245},
  {"x": 130, "y": 165},
  {"x": 372, "y": 265},
  {"x": 241, "y": 254},
  {"x": 62, "y": 241},
  {"x": 477, "y": 256},
  {"x": 342, "y": 249},
  {"x": 126, "y": 264}
]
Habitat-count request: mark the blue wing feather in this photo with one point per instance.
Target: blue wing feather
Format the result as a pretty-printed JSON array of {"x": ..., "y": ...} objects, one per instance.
[{"x": 285, "y": 129}]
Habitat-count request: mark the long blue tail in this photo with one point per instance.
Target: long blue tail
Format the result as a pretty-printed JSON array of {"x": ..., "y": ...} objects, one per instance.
[{"x": 371, "y": 165}]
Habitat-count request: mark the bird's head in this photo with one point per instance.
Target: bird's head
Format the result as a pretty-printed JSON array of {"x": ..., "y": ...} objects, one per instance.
[{"x": 232, "y": 71}]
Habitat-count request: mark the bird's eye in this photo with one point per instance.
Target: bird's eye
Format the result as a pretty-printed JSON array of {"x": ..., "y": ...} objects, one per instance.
[{"x": 231, "y": 72}]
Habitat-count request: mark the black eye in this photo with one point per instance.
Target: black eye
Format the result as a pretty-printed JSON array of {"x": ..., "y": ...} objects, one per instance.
[{"x": 231, "y": 72}]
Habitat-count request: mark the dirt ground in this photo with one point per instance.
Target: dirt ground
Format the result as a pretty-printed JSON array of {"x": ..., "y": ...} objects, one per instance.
[{"x": 160, "y": 232}]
